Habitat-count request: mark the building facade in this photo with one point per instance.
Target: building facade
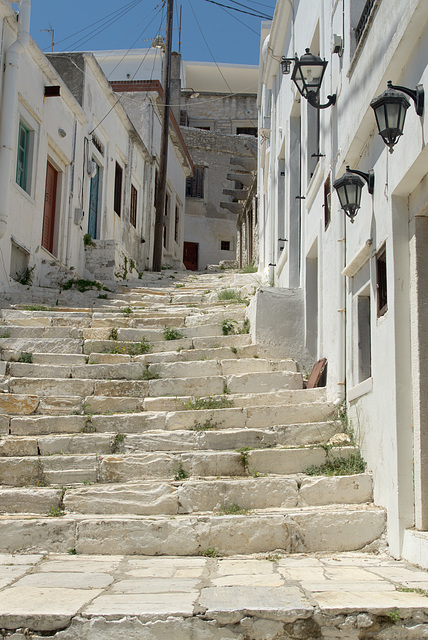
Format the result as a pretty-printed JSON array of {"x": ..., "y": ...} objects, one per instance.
[{"x": 355, "y": 290}]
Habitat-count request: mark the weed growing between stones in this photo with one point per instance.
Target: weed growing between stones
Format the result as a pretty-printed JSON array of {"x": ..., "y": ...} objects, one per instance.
[
  {"x": 232, "y": 296},
  {"x": 88, "y": 241},
  {"x": 243, "y": 456},
  {"x": 204, "y": 426},
  {"x": 421, "y": 592},
  {"x": 249, "y": 268},
  {"x": 234, "y": 350},
  {"x": 233, "y": 510},
  {"x": 103, "y": 296},
  {"x": 339, "y": 466},
  {"x": 273, "y": 557},
  {"x": 112, "y": 334},
  {"x": 26, "y": 278},
  {"x": 56, "y": 512},
  {"x": 72, "y": 552},
  {"x": 131, "y": 348},
  {"x": 179, "y": 286},
  {"x": 117, "y": 441},
  {"x": 126, "y": 311},
  {"x": 180, "y": 473},
  {"x": 83, "y": 285},
  {"x": 208, "y": 403},
  {"x": 5, "y": 334},
  {"x": 88, "y": 427},
  {"x": 149, "y": 375},
  {"x": 26, "y": 357},
  {"x": 228, "y": 327},
  {"x": 210, "y": 553},
  {"x": 169, "y": 333},
  {"x": 36, "y": 307},
  {"x": 394, "y": 615}
]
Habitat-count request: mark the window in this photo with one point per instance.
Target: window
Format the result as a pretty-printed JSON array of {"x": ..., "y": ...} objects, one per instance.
[
  {"x": 327, "y": 202},
  {"x": 382, "y": 299},
  {"x": 364, "y": 337},
  {"x": 364, "y": 18},
  {"x": 177, "y": 223},
  {"x": 23, "y": 158},
  {"x": 118, "y": 176},
  {"x": 225, "y": 245},
  {"x": 133, "y": 208},
  {"x": 195, "y": 184},
  {"x": 247, "y": 131}
]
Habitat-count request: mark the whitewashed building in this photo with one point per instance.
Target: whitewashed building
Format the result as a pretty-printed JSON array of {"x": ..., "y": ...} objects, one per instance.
[{"x": 352, "y": 293}]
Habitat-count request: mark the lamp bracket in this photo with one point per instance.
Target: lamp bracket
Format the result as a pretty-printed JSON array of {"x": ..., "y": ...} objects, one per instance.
[
  {"x": 417, "y": 95},
  {"x": 368, "y": 177},
  {"x": 313, "y": 100}
]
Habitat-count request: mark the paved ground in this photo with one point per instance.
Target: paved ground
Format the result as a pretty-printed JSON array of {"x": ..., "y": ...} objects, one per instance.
[{"x": 45, "y": 592}]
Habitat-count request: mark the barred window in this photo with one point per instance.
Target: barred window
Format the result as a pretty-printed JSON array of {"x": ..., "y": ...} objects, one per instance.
[{"x": 195, "y": 184}]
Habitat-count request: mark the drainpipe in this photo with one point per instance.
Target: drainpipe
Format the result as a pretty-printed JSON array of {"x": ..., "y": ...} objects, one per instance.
[{"x": 9, "y": 106}]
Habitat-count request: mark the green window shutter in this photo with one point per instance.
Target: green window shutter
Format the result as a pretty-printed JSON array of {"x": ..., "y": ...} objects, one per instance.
[{"x": 22, "y": 159}]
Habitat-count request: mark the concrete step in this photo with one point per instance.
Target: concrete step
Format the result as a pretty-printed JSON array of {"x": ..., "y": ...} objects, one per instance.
[
  {"x": 128, "y": 467},
  {"x": 296, "y": 530},
  {"x": 190, "y": 496}
]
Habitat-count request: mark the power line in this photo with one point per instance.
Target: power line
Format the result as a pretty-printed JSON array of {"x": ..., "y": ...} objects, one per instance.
[
  {"x": 243, "y": 23},
  {"x": 256, "y": 15}
]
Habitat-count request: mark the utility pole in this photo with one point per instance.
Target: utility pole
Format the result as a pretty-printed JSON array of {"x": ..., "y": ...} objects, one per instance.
[{"x": 163, "y": 160}]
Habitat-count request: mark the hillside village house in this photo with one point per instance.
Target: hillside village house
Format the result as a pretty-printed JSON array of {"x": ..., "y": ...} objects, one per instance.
[{"x": 354, "y": 293}]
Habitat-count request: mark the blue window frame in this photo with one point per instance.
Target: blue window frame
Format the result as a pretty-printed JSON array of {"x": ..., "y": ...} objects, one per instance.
[{"x": 22, "y": 162}]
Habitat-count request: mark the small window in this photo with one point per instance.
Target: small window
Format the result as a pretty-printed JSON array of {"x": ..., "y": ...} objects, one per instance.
[
  {"x": 225, "y": 245},
  {"x": 195, "y": 184},
  {"x": 133, "y": 208},
  {"x": 177, "y": 223},
  {"x": 23, "y": 158},
  {"x": 382, "y": 299},
  {"x": 327, "y": 202},
  {"x": 364, "y": 348},
  {"x": 247, "y": 131},
  {"x": 118, "y": 176}
]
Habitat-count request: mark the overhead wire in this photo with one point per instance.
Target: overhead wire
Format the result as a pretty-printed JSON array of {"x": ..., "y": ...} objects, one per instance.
[
  {"x": 241, "y": 22},
  {"x": 255, "y": 15}
]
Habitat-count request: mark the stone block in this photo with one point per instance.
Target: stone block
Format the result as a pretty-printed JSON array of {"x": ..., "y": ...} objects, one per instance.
[
  {"x": 133, "y": 388},
  {"x": 18, "y": 404},
  {"x": 129, "y": 423},
  {"x": 46, "y": 425},
  {"x": 22, "y": 370},
  {"x": 336, "y": 489},
  {"x": 143, "y": 499},
  {"x": 78, "y": 443},
  {"x": 206, "y": 419},
  {"x": 52, "y": 386},
  {"x": 19, "y": 471},
  {"x": 11, "y": 446},
  {"x": 187, "y": 387},
  {"x": 127, "y": 371},
  {"x": 267, "y": 416},
  {"x": 60, "y": 405},
  {"x": 260, "y": 382},
  {"x": 186, "y": 369},
  {"x": 107, "y": 404},
  {"x": 122, "y": 467},
  {"x": 29, "y": 500},
  {"x": 4, "y": 424}
]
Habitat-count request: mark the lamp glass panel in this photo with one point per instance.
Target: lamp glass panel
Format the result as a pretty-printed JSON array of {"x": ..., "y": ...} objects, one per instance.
[
  {"x": 353, "y": 194},
  {"x": 393, "y": 110},
  {"x": 381, "y": 117},
  {"x": 312, "y": 75}
]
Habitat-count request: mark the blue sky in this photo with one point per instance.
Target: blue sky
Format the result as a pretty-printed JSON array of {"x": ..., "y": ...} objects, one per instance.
[{"x": 209, "y": 32}]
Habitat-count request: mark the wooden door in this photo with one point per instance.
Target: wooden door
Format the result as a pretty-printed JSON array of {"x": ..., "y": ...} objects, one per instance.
[
  {"x": 49, "y": 209},
  {"x": 190, "y": 255}
]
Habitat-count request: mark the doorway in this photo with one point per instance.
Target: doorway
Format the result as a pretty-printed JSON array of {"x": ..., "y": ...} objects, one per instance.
[
  {"x": 190, "y": 255},
  {"x": 49, "y": 208},
  {"x": 93, "y": 205}
]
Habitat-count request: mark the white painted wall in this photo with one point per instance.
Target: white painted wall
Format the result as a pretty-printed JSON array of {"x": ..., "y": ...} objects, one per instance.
[{"x": 383, "y": 406}]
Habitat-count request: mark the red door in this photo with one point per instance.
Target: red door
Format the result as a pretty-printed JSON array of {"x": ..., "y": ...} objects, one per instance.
[
  {"x": 49, "y": 210},
  {"x": 190, "y": 255}
]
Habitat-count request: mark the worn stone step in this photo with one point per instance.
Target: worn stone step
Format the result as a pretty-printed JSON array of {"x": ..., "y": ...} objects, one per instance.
[
  {"x": 298, "y": 530},
  {"x": 14, "y": 332},
  {"x": 40, "y": 345},
  {"x": 190, "y": 496},
  {"x": 125, "y": 467}
]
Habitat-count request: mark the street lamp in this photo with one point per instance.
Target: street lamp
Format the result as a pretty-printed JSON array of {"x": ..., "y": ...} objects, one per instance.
[
  {"x": 308, "y": 74},
  {"x": 390, "y": 110},
  {"x": 349, "y": 188}
]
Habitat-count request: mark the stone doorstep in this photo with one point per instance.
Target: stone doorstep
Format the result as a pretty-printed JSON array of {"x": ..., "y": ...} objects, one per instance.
[
  {"x": 300, "y": 530},
  {"x": 190, "y": 496}
]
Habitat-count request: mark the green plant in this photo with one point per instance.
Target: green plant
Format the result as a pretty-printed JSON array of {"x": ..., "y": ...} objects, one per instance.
[
  {"x": 87, "y": 482},
  {"x": 208, "y": 403},
  {"x": 117, "y": 442},
  {"x": 149, "y": 375},
  {"x": 126, "y": 311},
  {"x": 103, "y": 296},
  {"x": 72, "y": 552},
  {"x": 112, "y": 334},
  {"x": 245, "y": 326},
  {"x": 210, "y": 553},
  {"x": 228, "y": 327},
  {"x": 5, "y": 334},
  {"x": 180, "y": 473},
  {"x": 179, "y": 286},
  {"x": 421, "y": 592},
  {"x": 26, "y": 357},
  {"x": 204, "y": 426},
  {"x": 225, "y": 388},
  {"x": 339, "y": 466},
  {"x": 169, "y": 333},
  {"x": 56, "y": 512},
  {"x": 83, "y": 285},
  {"x": 36, "y": 307},
  {"x": 26, "y": 278},
  {"x": 273, "y": 557},
  {"x": 88, "y": 426},
  {"x": 132, "y": 265},
  {"x": 394, "y": 615},
  {"x": 249, "y": 268},
  {"x": 243, "y": 456},
  {"x": 234, "y": 350},
  {"x": 88, "y": 241},
  {"x": 233, "y": 510}
]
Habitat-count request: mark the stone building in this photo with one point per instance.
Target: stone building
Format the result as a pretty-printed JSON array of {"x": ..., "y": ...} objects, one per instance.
[{"x": 354, "y": 293}]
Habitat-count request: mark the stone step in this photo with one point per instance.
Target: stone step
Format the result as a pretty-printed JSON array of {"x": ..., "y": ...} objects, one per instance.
[
  {"x": 14, "y": 332},
  {"x": 135, "y": 370},
  {"x": 190, "y": 496},
  {"x": 296, "y": 530},
  {"x": 197, "y": 386},
  {"x": 131, "y": 467},
  {"x": 40, "y": 345},
  {"x": 84, "y": 442},
  {"x": 211, "y": 342}
]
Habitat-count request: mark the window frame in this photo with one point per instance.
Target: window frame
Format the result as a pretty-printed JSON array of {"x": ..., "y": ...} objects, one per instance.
[
  {"x": 381, "y": 282},
  {"x": 195, "y": 184},
  {"x": 133, "y": 206},
  {"x": 23, "y": 175},
  {"x": 118, "y": 187}
]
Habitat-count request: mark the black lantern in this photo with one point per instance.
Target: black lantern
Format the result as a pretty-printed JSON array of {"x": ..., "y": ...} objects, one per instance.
[
  {"x": 308, "y": 75},
  {"x": 390, "y": 110},
  {"x": 349, "y": 188}
]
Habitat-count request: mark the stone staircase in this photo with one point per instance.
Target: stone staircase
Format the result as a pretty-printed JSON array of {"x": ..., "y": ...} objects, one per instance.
[{"x": 138, "y": 427}]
